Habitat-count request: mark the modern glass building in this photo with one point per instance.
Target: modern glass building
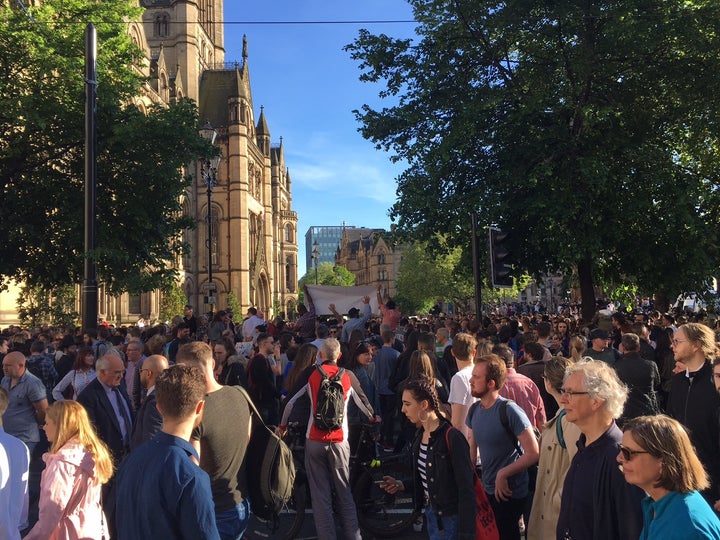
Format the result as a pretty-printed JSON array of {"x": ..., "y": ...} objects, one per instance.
[{"x": 328, "y": 239}]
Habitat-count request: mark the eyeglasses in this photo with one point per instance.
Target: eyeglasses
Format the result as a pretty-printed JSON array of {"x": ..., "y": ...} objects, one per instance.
[
  {"x": 115, "y": 371},
  {"x": 628, "y": 454},
  {"x": 571, "y": 393},
  {"x": 677, "y": 341}
]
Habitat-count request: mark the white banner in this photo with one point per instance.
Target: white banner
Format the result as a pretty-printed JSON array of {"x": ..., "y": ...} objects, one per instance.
[{"x": 344, "y": 298}]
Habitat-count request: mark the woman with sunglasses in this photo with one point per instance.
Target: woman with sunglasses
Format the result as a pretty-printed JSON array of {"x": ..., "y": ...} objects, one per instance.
[{"x": 656, "y": 455}]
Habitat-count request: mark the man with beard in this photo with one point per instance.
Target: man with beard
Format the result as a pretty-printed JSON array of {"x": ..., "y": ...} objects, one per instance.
[{"x": 504, "y": 468}]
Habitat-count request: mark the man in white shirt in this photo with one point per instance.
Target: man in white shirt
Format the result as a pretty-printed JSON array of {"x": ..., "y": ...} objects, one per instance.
[
  {"x": 252, "y": 322},
  {"x": 14, "y": 465},
  {"x": 463, "y": 349}
]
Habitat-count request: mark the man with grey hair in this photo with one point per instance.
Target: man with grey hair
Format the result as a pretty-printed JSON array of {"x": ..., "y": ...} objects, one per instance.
[
  {"x": 596, "y": 500},
  {"x": 108, "y": 406},
  {"x": 327, "y": 452}
]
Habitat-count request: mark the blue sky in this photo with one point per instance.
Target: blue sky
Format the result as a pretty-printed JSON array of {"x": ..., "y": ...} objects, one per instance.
[{"x": 309, "y": 87}]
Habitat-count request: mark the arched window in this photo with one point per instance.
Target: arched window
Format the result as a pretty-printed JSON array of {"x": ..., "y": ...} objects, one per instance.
[
  {"x": 288, "y": 233},
  {"x": 162, "y": 25},
  {"x": 214, "y": 239},
  {"x": 289, "y": 274}
]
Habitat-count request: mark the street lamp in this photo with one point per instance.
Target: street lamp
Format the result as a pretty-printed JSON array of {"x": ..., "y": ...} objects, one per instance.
[
  {"x": 315, "y": 257},
  {"x": 208, "y": 171}
]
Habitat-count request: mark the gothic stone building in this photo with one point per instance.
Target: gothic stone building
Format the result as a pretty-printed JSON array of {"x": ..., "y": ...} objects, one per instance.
[
  {"x": 253, "y": 247},
  {"x": 367, "y": 254},
  {"x": 254, "y": 229}
]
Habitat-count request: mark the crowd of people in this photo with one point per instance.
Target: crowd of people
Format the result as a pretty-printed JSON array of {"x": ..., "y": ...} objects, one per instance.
[{"x": 602, "y": 430}]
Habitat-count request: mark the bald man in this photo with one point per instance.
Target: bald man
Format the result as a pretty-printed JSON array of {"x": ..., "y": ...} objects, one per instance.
[
  {"x": 28, "y": 401},
  {"x": 148, "y": 420}
]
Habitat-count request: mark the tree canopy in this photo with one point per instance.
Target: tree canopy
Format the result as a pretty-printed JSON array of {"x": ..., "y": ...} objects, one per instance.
[
  {"x": 327, "y": 274},
  {"x": 588, "y": 130},
  {"x": 140, "y": 157}
]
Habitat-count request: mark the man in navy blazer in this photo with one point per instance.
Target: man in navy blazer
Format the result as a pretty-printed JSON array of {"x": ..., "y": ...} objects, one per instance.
[
  {"x": 108, "y": 405},
  {"x": 148, "y": 420}
]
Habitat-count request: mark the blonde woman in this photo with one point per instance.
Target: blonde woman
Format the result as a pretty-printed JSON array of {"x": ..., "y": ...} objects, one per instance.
[{"x": 76, "y": 467}]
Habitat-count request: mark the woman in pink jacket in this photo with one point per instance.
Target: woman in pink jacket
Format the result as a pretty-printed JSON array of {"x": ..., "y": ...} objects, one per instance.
[{"x": 76, "y": 467}]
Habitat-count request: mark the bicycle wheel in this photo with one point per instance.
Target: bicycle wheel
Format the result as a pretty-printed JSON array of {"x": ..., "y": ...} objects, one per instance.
[
  {"x": 380, "y": 513},
  {"x": 291, "y": 517}
]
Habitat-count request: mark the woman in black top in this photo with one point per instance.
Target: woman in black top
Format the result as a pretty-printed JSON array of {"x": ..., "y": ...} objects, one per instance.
[{"x": 443, "y": 473}]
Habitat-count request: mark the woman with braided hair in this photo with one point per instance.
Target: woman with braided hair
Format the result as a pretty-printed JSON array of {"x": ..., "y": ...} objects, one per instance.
[{"x": 443, "y": 473}]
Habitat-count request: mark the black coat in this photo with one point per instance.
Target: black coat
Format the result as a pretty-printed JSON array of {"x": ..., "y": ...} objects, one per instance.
[
  {"x": 643, "y": 379},
  {"x": 147, "y": 422},
  {"x": 450, "y": 477},
  {"x": 694, "y": 402},
  {"x": 102, "y": 415}
]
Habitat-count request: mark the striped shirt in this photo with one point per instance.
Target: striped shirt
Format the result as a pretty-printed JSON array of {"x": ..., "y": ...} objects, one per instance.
[{"x": 421, "y": 465}]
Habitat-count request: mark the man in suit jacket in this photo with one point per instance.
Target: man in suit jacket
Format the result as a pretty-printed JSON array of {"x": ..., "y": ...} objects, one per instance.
[
  {"x": 108, "y": 406},
  {"x": 148, "y": 420}
]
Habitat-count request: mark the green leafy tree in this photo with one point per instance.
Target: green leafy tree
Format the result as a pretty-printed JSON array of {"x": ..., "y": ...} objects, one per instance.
[
  {"x": 140, "y": 157},
  {"x": 328, "y": 274},
  {"x": 234, "y": 304},
  {"x": 37, "y": 305},
  {"x": 173, "y": 301},
  {"x": 588, "y": 130},
  {"x": 426, "y": 277}
]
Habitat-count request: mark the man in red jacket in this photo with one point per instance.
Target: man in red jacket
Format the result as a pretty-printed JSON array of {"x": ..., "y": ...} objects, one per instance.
[{"x": 327, "y": 452}]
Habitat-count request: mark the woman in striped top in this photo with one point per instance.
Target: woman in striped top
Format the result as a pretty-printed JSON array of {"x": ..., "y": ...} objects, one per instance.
[{"x": 443, "y": 479}]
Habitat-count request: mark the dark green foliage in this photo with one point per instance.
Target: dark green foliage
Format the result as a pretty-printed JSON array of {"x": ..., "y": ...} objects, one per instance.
[
  {"x": 588, "y": 129},
  {"x": 140, "y": 158}
]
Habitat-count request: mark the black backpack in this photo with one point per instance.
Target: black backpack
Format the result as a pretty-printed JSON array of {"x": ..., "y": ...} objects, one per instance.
[
  {"x": 269, "y": 466},
  {"x": 330, "y": 401}
]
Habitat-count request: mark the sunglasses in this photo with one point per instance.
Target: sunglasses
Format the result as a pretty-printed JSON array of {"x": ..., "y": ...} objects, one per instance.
[{"x": 628, "y": 454}]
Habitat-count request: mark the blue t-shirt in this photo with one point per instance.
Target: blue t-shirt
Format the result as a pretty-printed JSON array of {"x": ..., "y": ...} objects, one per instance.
[
  {"x": 162, "y": 493},
  {"x": 20, "y": 419},
  {"x": 679, "y": 516},
  {"x": 497, "y": 450}
]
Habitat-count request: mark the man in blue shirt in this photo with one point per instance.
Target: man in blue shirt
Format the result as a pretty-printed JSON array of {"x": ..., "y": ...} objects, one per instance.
[
  {"x": 28, "y": 401},
  {"x": 505, "y": 478},
  {"x": 161, "y": 492}
]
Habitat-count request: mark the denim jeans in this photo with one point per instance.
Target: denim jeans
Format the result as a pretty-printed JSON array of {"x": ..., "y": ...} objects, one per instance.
[
  {"x": 232, "y": 523},
  {"x": 449, "y": 525}
]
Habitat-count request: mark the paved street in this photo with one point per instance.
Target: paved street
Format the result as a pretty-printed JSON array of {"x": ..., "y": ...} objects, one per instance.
[{"x": 259, "y": 531}]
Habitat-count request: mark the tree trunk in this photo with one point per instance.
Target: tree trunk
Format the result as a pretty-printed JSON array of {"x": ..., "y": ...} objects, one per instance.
[{"x": 587, "y": 290}]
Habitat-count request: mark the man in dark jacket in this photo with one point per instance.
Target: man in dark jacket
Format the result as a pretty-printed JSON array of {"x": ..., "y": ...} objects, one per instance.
[
  {"x": 148, "y": 421},
  {"x": 641, "y": 377},
  {"x": 596, "y": 501},
  {"x": 693, "y": 400}
]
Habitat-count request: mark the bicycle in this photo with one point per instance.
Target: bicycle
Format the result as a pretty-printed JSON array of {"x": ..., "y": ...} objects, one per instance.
[{"x": 379, "y": 513}]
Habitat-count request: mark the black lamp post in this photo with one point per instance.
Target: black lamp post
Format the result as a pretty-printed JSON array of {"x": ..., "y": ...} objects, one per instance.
[
  {"x": 208, "y": 171},
  {"x": 315, "y": 257}
]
